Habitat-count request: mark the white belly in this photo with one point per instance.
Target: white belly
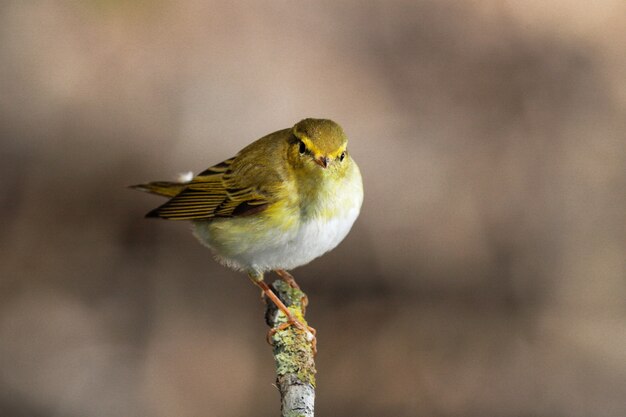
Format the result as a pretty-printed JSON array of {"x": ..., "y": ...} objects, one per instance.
[
  {"x": 250, "y": 244},
  {"x": 311, "y": 240}
]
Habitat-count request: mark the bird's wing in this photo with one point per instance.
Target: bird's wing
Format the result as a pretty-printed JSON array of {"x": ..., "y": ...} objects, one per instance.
[{"x": 235, "y": 187}]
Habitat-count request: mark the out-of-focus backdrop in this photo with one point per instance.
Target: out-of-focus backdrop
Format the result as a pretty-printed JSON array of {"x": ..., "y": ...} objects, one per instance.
[{"x": 486, "y": 275}]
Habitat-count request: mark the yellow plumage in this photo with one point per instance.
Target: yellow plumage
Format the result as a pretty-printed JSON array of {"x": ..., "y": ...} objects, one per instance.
[{"x": 282, "y": 201}]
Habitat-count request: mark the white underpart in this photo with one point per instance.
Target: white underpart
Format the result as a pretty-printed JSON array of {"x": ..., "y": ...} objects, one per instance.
[
  {"x": 271, "y": 249},
  {"x": 311, "y": 240}
]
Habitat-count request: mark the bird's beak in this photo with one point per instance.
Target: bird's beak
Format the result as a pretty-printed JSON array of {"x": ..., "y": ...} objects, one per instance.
[{"x": 322, "y": 161}]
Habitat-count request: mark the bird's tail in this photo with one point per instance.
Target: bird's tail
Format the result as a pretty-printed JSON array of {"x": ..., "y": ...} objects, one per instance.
[{"x": 162, "y": 188}]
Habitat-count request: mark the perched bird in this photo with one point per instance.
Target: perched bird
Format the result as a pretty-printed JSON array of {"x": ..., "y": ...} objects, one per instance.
[{"x": 281, "y": 202}]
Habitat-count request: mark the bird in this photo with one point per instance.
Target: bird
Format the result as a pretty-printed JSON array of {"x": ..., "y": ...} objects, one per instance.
[{"x": 279, "y": 203}]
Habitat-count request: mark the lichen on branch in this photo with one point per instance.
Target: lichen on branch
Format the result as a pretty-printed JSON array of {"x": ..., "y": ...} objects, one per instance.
[{"x": 293, "y": 353}]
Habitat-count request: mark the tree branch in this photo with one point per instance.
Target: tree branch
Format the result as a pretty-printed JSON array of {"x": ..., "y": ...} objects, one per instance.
[{"x": 293, "y": 353}]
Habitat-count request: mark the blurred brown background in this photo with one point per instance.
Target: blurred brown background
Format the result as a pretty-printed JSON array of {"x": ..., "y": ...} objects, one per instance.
[{"x": 485, "y": 276}]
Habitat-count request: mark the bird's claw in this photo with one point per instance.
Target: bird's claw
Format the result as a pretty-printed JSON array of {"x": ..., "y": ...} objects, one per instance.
[{"x": 309, "y": 333}]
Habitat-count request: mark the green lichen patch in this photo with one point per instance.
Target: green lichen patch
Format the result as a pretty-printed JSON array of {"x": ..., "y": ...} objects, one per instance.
[{"x": 293, "y": 350}]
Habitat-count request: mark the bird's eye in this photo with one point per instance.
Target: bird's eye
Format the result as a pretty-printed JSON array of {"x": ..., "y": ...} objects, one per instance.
[
  {"x": 342, "y": 156},
  {"x": 302, "y": 148}
]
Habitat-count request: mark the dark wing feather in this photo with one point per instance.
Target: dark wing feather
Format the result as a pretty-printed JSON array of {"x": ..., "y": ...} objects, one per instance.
[{"x": 216, "y": 192}]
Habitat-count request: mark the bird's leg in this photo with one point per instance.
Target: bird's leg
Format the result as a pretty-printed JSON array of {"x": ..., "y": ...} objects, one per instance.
[
  {"x": 291, "y": 281},
  {"x": 288, "y": 278},
  {"x": 257, "y": 279}
]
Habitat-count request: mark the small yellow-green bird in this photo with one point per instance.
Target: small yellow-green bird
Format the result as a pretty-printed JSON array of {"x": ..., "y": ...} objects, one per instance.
[{"x": 281, "y": 202}]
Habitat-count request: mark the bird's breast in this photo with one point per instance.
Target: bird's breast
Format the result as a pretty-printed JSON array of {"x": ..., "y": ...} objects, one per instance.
[{"x": 290, "y": 233}]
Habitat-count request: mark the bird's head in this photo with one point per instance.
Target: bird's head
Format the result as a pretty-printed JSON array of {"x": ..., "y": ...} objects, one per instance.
[{"x": 319, "y": 145}]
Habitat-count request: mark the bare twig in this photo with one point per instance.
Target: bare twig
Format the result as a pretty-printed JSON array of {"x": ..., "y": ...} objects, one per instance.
[{"x": 293, "y": 353}]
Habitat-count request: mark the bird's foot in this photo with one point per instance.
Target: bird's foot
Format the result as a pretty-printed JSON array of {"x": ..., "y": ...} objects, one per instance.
[
  {"x": 309, "y": 332},
  {"x": 291, "y": 281}
]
